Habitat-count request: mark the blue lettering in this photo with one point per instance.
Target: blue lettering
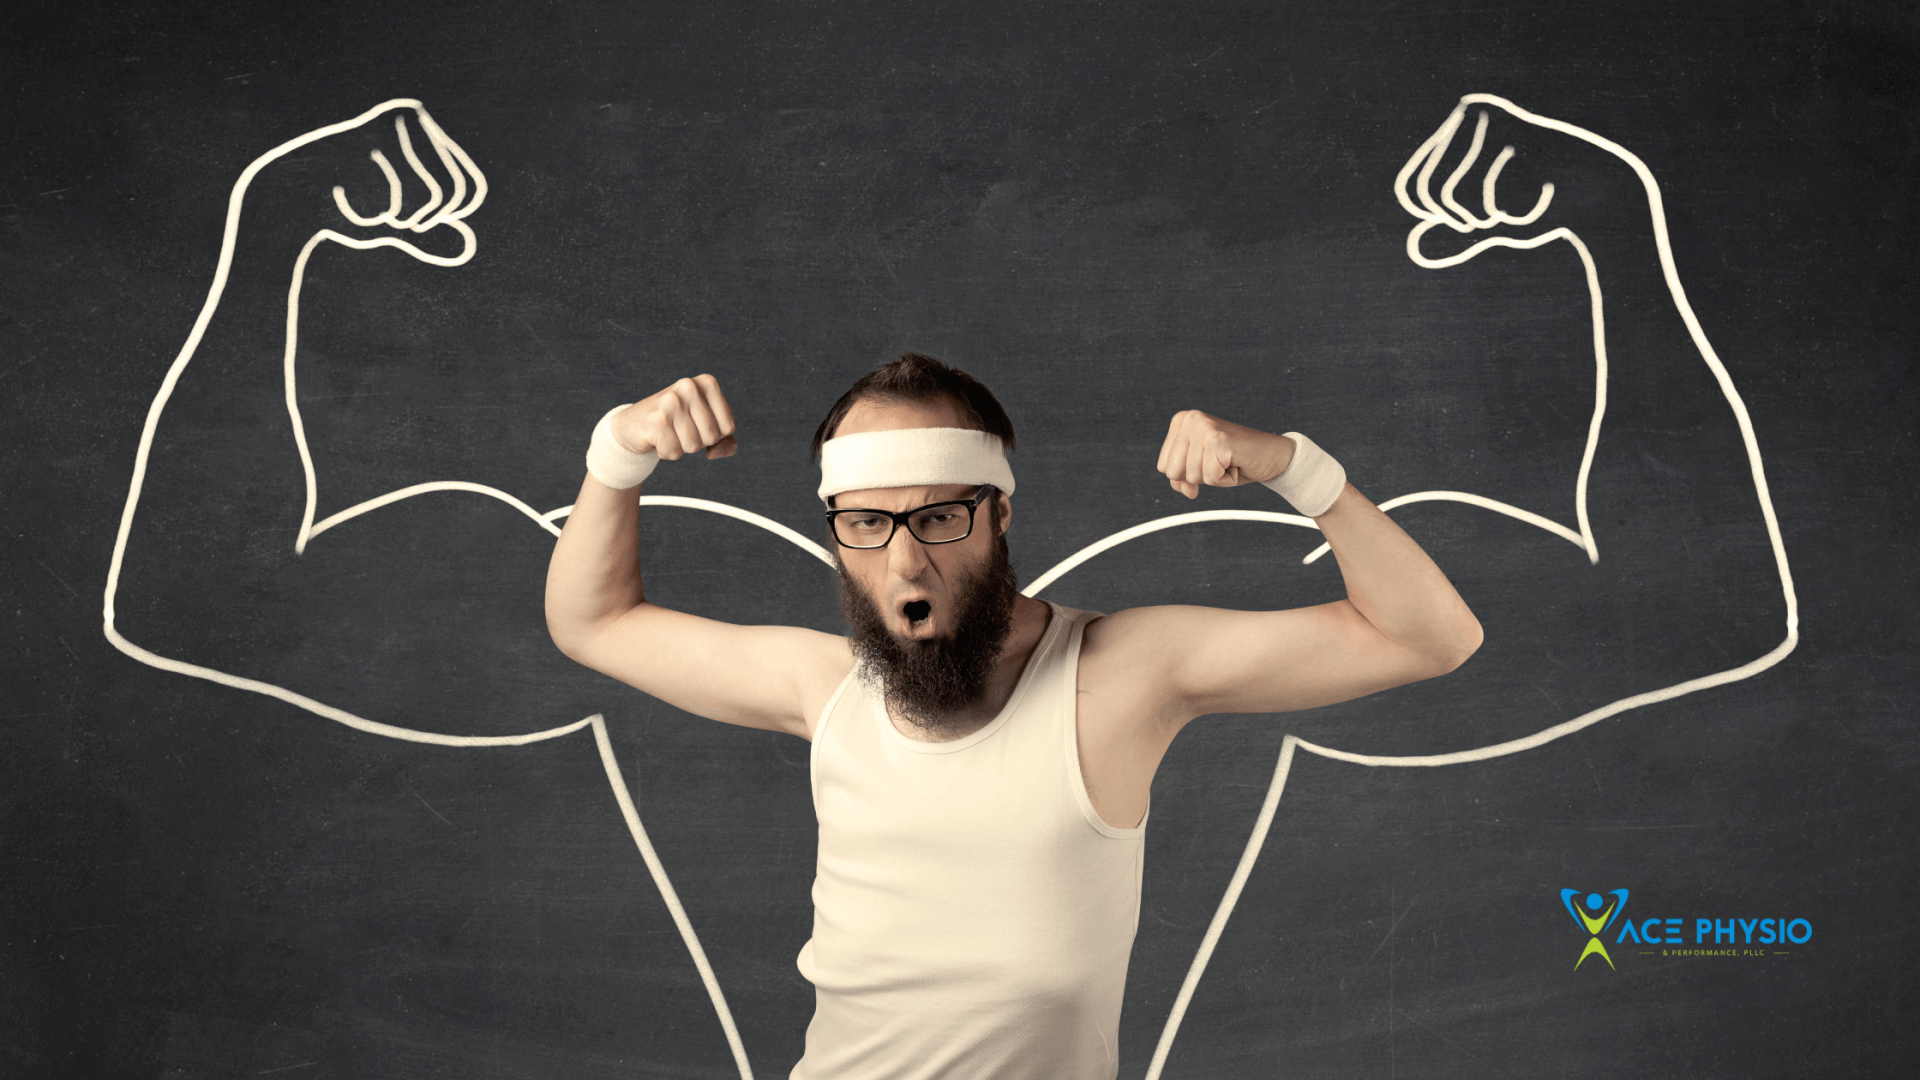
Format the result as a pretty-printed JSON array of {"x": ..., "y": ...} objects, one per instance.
[
  {"x": 1726, "y": 930},
  {"x": 1766, "y": 932},
  {"x": 1676, "y": 932},
  {"x": 1799, "y": 940},
  {"x": 1701, "y": 928},
  {"x": 1626, "y": 931},
  {"x": 1651, "y": 931},
  {"x": 1746, "y": 927}
]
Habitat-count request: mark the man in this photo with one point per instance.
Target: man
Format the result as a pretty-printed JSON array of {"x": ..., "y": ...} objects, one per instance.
[{"x": 981, "y": 760}]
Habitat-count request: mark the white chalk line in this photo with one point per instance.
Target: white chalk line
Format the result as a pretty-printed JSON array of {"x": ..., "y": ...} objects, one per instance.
[
  {"x": 659, "y": 872},
  {"x": 1426, "y": 159},
  {"x": 392, "y": 497},
  {"x": 429, "y": 216},
  {"x": 1432, "y": 216}
]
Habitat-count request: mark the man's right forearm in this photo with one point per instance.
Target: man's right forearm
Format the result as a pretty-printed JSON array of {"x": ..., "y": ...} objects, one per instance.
[{"x": 594, "y": 577}]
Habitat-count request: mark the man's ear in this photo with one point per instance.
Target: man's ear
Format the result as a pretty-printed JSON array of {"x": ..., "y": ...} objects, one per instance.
[{"x": 1006, "y": 510}]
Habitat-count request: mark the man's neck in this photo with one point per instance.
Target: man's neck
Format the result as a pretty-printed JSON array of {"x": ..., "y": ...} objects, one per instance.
[{"x": 1030, "y": 618}]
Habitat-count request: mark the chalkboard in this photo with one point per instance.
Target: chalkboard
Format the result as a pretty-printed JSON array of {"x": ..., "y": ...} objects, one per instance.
[{"x": 320, "y": 798}]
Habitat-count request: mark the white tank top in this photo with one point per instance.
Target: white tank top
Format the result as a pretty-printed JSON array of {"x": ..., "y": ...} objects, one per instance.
[{"x": 972, "y": 915}]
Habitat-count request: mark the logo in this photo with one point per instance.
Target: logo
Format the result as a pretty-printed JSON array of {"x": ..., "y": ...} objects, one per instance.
[
  {"x": 1595, "y": 913},
  {"x": 1599, "y": 914}
]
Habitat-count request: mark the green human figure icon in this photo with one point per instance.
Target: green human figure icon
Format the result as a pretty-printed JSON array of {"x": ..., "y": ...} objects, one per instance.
[{"x": 1594, "y": 924}]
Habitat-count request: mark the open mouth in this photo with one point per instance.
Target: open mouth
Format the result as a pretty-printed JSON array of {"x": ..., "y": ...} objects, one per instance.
[{"x": 916, "y": 611}]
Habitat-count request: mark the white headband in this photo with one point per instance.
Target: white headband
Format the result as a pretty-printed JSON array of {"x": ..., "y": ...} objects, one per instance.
[{"x": 912, "y": 457}]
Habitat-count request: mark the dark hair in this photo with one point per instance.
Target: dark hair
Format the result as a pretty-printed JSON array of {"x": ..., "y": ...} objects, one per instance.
[{"x": 918, "y": 378}]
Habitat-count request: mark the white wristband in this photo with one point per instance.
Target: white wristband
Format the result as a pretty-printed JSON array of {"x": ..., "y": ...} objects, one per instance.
[
  {"x": 1312, "y": 480},
  {"x": 615, "y": 465}
]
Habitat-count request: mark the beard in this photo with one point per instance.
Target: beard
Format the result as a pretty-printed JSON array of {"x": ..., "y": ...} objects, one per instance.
[{"x": 928, "y": 682}]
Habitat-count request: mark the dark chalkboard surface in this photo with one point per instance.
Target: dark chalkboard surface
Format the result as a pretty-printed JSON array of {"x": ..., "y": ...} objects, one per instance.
[{"x": 349, "y": 856}]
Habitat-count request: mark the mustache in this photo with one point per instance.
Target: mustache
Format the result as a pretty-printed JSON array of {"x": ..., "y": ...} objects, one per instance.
[{"x": 927, "y": 682}]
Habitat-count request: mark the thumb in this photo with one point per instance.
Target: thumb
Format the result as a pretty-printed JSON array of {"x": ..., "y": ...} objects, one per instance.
[
  {"x": 1435, "y": 245},
  {"x": 1217, "y": 466}
]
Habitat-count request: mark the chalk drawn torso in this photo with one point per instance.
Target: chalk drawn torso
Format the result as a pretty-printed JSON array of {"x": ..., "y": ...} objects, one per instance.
[{"x": 448, "y": 206}]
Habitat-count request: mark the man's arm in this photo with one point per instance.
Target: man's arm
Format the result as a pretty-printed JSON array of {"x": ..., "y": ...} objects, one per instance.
[
  {"x": 1401, "y": 620},
  {"x": 598, "y": 614}
]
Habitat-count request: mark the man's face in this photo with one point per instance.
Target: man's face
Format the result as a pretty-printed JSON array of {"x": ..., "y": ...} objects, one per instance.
[
  {"x": 929, "y": 620},
  {"x": 937, "y": 667}
]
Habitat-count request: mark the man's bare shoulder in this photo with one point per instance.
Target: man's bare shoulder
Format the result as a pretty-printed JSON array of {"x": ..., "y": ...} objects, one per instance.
[
  {"x": 822, "y": 662},
  {"x": 768, "y": 676},
  {"x": 764, "y": 676},
  {"x": 1180, "y": 660},
  {"x": 1142, "y": 631},
  {"x": 1173, "y": 629},
  {"x": 1129, "y": 655},
  {"x": 812, "y": 662}
]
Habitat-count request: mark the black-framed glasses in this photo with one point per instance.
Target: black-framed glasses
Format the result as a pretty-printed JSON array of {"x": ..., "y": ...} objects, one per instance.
[{"x": 935, "y": 523}]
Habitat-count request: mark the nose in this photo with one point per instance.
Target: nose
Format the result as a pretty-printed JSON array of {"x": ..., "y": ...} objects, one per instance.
[{"x": 906, "y": 555}]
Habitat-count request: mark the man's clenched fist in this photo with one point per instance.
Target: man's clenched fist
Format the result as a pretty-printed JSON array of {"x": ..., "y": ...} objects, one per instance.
[
  {"x": 1204, "y": 449},
  {"x": 690, "y": 415}
]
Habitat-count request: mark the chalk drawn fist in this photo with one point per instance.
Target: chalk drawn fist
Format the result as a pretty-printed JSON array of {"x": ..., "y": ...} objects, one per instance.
[
  {"x": 1441, "y": 186},
  {"x": 420, "y": 181},
  {"x": 438, "y": 192}
]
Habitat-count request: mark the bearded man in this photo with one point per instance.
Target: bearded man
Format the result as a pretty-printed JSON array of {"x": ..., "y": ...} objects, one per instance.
[{"x": 981, "y": 760}]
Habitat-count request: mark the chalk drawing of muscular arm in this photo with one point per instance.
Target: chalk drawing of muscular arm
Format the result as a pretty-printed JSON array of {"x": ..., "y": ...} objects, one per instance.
[
  {"x": 448, "y": 187},
  {"x": 1434, "y": 197}
]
